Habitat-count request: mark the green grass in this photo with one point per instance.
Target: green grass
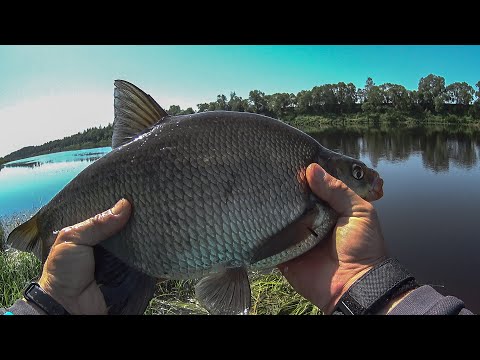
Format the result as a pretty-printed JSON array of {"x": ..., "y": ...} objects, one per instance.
[
  {"x": 17, "y": 269},
  {"x": 271, "y": 293}
]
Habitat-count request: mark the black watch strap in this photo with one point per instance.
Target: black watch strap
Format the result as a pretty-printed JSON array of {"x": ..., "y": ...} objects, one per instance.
[
  {"x": 35, "y": 294},
  {"x": 375, "y": 289}
]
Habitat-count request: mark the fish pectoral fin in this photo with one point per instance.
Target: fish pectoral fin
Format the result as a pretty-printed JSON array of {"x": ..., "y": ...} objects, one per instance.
[
  {"x": 126, "y": 290},
  {"x": 225, "y": 293},
  {"x": 135, "y": 111},
  {"x": 26, "y": 237},
  {"x": 294, "y": 233}
]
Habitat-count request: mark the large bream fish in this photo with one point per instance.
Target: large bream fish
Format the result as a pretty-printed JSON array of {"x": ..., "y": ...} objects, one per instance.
[{"x": 214, "y": 194}]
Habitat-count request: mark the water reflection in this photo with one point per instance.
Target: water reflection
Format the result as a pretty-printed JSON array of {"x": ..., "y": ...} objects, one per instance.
[
  {"x": 438, "y": 146},
  {"x": 35, "y": 164}
]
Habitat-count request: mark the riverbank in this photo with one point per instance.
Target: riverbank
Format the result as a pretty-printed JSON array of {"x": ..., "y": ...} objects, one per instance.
[{"x": 312, "y": 123}]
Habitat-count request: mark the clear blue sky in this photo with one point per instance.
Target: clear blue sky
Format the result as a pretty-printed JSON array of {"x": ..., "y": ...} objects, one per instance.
[{"x": 54, "y": 91}]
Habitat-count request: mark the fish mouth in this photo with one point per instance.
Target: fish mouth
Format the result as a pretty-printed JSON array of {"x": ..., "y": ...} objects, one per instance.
[{"x": 376, "y": 192}]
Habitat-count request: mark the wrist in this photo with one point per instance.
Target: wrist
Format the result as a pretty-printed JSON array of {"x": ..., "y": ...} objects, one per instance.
[
  {"x": 379, "y": 289},
  {"x": 46, "y": 287},
  {"x": 343, "y": 286},
  {"x": 38, "y": 298},
  {"x": 342, "y": 289}
]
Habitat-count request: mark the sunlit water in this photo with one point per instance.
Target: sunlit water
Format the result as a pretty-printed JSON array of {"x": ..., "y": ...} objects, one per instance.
[
  {"x": 28, "y": 184},
  {"x": 429, "y": 212}
]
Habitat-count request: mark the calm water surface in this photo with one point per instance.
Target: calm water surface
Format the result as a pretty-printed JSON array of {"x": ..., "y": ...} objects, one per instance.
[
  {"x": 28, "y": 184},
  {"x": 430, "y": 209},
  {"x": 429, "y": 212}
]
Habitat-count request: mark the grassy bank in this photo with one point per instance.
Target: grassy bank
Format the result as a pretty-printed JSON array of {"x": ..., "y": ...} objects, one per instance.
[{"x": 271, "y": 294}]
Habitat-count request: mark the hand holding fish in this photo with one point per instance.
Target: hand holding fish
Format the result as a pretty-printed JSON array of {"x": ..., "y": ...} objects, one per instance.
[
  {"x": 68, "y": 274},
  {"x": 323, "y": 274}
]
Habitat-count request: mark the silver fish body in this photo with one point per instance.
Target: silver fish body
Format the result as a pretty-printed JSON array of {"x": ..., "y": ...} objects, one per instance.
[{"x": 208, "y": 190}]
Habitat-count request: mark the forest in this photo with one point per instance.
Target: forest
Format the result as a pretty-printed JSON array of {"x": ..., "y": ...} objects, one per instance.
[
  {"x": 90, "y": 138},
  {"x": 432, "y": 101}
]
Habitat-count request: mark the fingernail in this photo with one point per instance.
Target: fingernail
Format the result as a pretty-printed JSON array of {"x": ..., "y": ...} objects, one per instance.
[
  {"x": 117, "y": 209},
  {"x": 318, "y": 173}
]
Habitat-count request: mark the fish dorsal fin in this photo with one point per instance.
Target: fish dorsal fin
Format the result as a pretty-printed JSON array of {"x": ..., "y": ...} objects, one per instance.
[
  {"x": 135, "y": 111},
  {"x": 225, "y": 293}
]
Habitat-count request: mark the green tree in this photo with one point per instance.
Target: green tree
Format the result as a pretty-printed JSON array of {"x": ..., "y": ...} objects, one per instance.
[
  {"x": 174, "y": 110},
  {"x": 257, "y": 102},
  {"x": 324, "y": 98},
  {"x": 459, "y": 93},
  {"x": 212, "y": 106},
  {"x": 475, "y": 109},
  {"x": 397, "y": 96},
  {"x": 368, "y": 85},
  {"x": 431, "y": 91},
  {"x": 281, "y": 104},
  {"x": 346, "y": 96},
  {"x": 202, "y": 107},
  {"x": 304, "y": 102},
  {"x": 477, "y": 93},
  {"x": 236, "y": 103},
  {"x": 361, "y": 95},
  {"x": 187, "y": 111},
  {"x": 374, "y": 97},
  {"x": 439, "y": 103},
  {"x": 221, "y": 103}
]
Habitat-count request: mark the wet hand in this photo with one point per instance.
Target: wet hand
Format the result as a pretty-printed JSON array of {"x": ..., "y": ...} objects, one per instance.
[
  {"x": 325, "y": 273},
  {"x": 68, "y": 273}
]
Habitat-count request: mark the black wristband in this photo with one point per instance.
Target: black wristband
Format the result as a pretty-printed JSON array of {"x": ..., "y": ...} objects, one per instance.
[
  {"x": 375, "y": 289},
  {"x": 35, "y": 294}
]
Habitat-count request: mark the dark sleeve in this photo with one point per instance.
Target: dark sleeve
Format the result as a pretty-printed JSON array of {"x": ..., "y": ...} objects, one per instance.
[
  {"x": 425, "y": 300},
  {"x": 21, "y": 307}
]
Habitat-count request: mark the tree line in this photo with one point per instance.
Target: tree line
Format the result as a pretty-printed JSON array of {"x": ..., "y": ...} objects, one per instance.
[
  {"x": 432, "y": 97},
  {"x": 90, "y": 138}
]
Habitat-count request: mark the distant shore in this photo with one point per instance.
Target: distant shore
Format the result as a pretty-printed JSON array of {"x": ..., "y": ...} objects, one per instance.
[{"x": 102, "y": 137}]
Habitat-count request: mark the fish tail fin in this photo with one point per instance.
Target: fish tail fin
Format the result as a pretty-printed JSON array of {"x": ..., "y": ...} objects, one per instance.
[
  {"x": 127, "y": 291},
  {"x": 26, "y": 237}
]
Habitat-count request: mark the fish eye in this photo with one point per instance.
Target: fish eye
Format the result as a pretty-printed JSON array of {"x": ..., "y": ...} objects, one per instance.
[{"x": 357, "y": 171}]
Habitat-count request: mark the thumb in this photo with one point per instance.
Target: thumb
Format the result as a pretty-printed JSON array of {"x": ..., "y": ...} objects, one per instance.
[
  {"x": 332, "y": 190},
  {"x": 100, "y": 227}
]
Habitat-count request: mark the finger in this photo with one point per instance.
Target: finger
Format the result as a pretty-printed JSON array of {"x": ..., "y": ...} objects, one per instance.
[
  {"x": 100, "y": 227},
  {"x": 328, "y": 188}
]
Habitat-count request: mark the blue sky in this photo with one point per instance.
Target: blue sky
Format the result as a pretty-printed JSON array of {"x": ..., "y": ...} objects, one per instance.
[{"x": 48, "y": 92}]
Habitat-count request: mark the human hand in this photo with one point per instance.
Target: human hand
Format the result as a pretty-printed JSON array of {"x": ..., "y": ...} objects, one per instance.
[
  {"x": 325, "y": 273},
  {"x": 68, "y": 273}
]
